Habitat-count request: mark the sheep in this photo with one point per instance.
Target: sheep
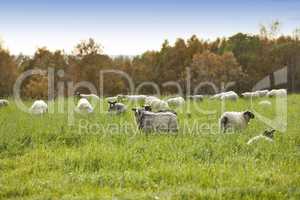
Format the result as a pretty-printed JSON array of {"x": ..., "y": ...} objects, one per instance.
[
  {"x": 135, "y": 98},
  {"x": 156, "y": 103},
  {"x": 266, "y": 136},
  {"x": 265, "y": 103},
  {"x": 277, "y": 92},
  {"x": 235, "y": 120},
  {"x": 149, "y": 121},
  {"x": 116, "y": 108},
  {"x": 262, "y": 93},
  {"x": 84, "y": 106},
  {"x": 38, "y": 107},
  {"x": 197, "y": 97},
  {"x": 176, "y": 101},
  {"x": 112, "y": 99},
  {"x": 229, "y": 96},
  {"x": 4, "y": 102},
  {"x": 249, "y": 95},
  {"x": 92, "y": 96}
]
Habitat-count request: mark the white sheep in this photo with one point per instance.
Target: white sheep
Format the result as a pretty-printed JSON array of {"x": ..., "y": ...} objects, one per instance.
[
  {"x": 38, "y": 107},
  {"x": 249, "y": 95},
  {"x": 176, "y": 101},
  {"x": 229, "y": 96},
  {"x": 160, "y": 121},
  {"x": 262, "y": 93},
  {"x": 197, "y": 97},
  {"x": 277, "y": 92},
  {"x": 92, "y": 96},
  {"x": 84, "y": 106},
  {"x": 135, "y": 98},
  {"x": 235, "y": 120},
  {"x": 266, "y": 136},
  {"x": 156, "y": 103},
  {"x": 265, "y": 103},
  {"x": 4, "y": 102}
]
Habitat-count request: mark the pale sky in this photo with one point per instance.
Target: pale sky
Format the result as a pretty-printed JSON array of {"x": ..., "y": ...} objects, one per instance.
[{"x": 132, "y": 27}]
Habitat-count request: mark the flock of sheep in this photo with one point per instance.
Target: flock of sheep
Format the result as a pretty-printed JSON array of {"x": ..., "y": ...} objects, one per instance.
[{"x": 156, "y": 115}]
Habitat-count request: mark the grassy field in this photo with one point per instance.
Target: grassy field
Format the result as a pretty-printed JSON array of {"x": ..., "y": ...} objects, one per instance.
[{"x": 47, "y": 158}]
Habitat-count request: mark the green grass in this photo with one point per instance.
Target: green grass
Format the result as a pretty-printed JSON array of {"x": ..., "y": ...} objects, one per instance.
[{"x": 47, "y": 158}]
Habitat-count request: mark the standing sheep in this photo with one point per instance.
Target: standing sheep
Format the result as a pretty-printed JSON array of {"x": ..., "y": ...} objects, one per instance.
[
  {"x": 176, "y": 101},
  {"x": 235, "y": 120},
  {"x": 156, "y": 103},
  {"x": 38, "y": 107},
  {"x": 150, "y": 121},
  {"x": 4, "y": 102},
  {"x": 116, "y": 108},
  {"x": 84, "y": 106}
]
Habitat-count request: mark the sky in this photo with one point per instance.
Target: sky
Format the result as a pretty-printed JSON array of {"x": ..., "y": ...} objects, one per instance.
[{"x": 132, "y": 27}]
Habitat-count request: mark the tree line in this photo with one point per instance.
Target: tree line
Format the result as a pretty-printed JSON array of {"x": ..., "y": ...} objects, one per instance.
[{"x": 242, "y": 58}]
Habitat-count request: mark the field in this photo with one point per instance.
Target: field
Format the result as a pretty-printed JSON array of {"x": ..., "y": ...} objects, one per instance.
[{"x": 44, "y": 157}]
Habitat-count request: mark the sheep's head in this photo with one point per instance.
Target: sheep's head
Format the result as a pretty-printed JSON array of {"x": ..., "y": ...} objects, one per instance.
[
  {"x": 148, "y": 108},
  {"x": 248, "y": 115},
  {"x": 111, "y": 105},
  {"x": 269, "y": 134}
]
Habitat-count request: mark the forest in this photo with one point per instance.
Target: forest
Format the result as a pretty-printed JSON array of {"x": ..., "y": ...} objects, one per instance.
[{"x": 242, "y": 58}]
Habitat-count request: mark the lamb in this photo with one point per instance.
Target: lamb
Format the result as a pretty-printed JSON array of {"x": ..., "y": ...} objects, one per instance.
[
  {"x": 278, "y": 92},
  {"x": 116, "y": 108},
  {"x": 176, "y": 101},
  {"x": 38, "y": 107},
  {"x": 235, "y": 120},
  {"x": 84, "y": 106},
  {"x": 4, "y": 102},
  {"x": 156, "y": 103},
  {"x": 149, "y": 121},
  {"x": 266, "y": 136}
]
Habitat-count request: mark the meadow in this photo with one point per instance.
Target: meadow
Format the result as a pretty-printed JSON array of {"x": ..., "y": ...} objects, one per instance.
[{"x": 46, "y": 157}]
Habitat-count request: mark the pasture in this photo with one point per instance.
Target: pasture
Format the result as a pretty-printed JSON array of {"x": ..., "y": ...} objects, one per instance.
[{"x": 44, "y": 157}]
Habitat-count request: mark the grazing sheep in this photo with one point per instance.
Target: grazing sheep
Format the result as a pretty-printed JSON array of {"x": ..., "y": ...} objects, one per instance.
[
  {"x": 265, "y": 103},
  {"x": 112, "y": 99},
  {"x": 197, "y": 97},
  {"x": 38, "y": 107},
  {"x": 235, "y": 120},
  {"x": 116, "y": 108},
  {"x": 136, "y": 98},
  {"x": 84, "y": 106},
  {"x": 4, "y": 102},
  {"x": 249, "y": 95},
  {"x": 262, "y": 93},
  {"x": 150, "y": 121},
  {"x": 266, "y": 136},
  {"x": 156, "y": 103},
  {"x": 92, "y": 96},
  {"x": 176, "y": 101},
  {"x": 229, "y": 96},
  {"x": 278, "y": 93}
]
